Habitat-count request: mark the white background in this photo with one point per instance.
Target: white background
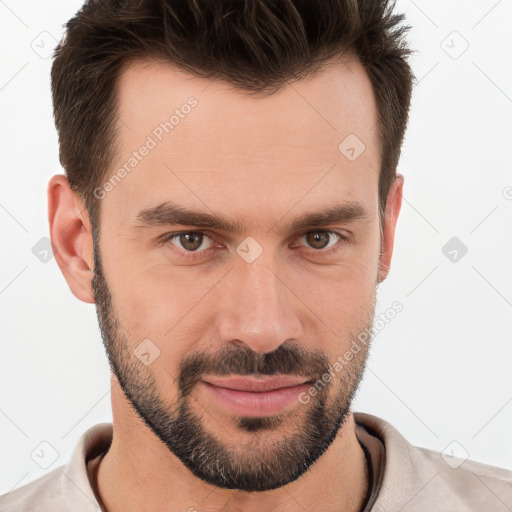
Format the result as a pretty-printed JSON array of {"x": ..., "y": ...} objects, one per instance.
[{"x": 439, "y": 372}]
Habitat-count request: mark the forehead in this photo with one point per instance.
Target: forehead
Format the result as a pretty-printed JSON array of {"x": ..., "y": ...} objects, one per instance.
[{"x": 208, "y": 141}]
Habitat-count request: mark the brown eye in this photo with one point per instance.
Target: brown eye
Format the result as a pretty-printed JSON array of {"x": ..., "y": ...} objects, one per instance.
[
  {"x": 323, "y": 242},
  {"x": 320, "y": 239},
  {"x": 190, "y": 241}
]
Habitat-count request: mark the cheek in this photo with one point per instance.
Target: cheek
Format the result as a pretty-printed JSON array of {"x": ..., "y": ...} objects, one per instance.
[
  {"x": 342, "y": 305},
  {"x": 341, "y": 297},
  {"x": 172, "y": 306}
]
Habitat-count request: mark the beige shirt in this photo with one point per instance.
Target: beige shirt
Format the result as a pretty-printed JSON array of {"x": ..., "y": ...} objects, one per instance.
[{"x": 403, "y": 477}]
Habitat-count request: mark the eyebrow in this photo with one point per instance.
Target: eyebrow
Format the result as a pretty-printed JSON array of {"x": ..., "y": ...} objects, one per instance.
[{"x": 167, "y": 214}]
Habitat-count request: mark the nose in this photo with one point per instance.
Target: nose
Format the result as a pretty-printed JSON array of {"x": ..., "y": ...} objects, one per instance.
[{"x": 258, "y": 307}]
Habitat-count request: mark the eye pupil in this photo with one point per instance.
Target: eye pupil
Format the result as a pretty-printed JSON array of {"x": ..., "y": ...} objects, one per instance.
[
  {"x": 191, "y": 241},
  {"x": 318, "y": 239}
]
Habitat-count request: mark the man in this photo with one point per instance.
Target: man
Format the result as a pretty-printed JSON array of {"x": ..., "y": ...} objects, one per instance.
[{"x": 229, "y": 205}]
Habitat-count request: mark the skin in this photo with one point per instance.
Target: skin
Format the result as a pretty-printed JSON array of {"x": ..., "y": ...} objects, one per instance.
[{"x": 263, "y": 162}]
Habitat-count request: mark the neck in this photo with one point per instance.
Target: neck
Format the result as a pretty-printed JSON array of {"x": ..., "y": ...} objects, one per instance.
[{"x": 140, "y": 473}]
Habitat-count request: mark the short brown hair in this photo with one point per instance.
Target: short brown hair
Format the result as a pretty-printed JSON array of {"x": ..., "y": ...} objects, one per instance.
[{"x": 255, "y": 45}]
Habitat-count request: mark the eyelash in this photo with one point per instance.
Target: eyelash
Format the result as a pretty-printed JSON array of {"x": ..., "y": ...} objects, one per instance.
[{"x": 200, "y": 254}]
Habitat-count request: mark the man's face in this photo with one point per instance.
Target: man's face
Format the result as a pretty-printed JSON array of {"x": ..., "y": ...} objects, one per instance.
[{"x": 184, "y": 302}]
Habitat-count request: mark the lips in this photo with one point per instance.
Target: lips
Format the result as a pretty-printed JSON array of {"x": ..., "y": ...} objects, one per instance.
[
  {"x": 254, "y": 384},
  {"x": 251, "y": 396}
]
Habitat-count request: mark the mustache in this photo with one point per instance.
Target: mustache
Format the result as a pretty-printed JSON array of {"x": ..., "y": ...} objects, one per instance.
[{"x": 288, "y": 358}]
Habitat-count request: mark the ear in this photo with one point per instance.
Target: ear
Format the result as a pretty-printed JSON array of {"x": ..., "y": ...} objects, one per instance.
[
  {"x": 393, "y": 205},
  {"x": 71, "y": 237}
]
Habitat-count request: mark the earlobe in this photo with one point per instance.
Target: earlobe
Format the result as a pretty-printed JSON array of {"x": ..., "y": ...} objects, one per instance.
[
  {"x": 71, "y": 237},
  {"x": 393, "y": 205}
]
